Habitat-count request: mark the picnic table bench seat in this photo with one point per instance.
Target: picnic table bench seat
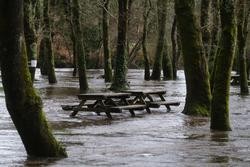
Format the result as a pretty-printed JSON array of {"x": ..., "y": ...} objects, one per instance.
[
  {"x": 157, "y": 104},
  {"x": 131, "y": 108}
]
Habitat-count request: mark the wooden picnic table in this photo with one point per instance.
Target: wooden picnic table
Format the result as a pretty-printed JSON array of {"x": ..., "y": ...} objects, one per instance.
[
  {"x": 149, "y": 98},
  {"x": 104, "y": 102}
]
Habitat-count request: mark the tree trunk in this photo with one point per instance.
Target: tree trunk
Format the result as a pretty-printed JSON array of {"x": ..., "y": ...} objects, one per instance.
[
  {"x": 80, "y": 52},
  {"x": 162, "y": 16},
  {"x": 120, "y": 79},
  {"x": 48, "y": 43},
  {"x": 106, "y": 50},
  {"x": 224, "y": 62},
  {"x": 242, "y": 24},
  {"x": 204, "y": 21},
  {"x": 198, "y": 95},
  {"x": 30, "y": 36},
  {"x": 167, "y": 64},
  {"x": 146, "y": 13},
  {"x": 43, "y": 56},
  {"x": 23, "y": 104},
  {"x": 174, "y": 48},
  {"x": 214, "y": 35}
]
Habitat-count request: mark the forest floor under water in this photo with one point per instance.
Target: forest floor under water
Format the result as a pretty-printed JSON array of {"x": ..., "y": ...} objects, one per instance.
[{"x": 159, "y": 139}]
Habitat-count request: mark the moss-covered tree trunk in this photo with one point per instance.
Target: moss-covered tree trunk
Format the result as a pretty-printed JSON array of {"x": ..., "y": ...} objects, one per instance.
[
  {"x": 198, "y": 95},
  {"x": 215, "y": 31},
  {"x": 162, "y": 16},
  {"x": 242, "y": 24},
  {"x": 205, "y": 27},
  {"x": 224, "y": 62},
  {"x": 23, "y": 104},
  {"x": 167, "y": 67},
  {"x": 146, "y": 12},
  {"x": 106, "y": 49},
  {"x": 48, "y": 43},
  {"x": 80, "y": 52},
  {"x": 120, "y": 74},
  {"x": 30, "y": 36},
  {"x": 174, "y": 47}
]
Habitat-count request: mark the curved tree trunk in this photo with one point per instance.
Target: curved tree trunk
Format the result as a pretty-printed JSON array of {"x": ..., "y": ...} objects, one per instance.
[
  {"x": 48, "y": 43},
  {"x": 106, "y": 50},
  {"x": 242, "y": 24},
  {"x": 120, "y": 79},
  {"x": 198, "y": 95},
  {"x": 80, "y": 52},
  {"x": 224, "y": 62},
  {"x": 162, "y": 16},
  {"x": 146, "y": 13},
  {"x": 23, "y": 104}
]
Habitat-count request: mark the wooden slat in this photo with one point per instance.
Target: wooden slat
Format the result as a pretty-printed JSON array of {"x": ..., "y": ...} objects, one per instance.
[
  {"x": 103, "y": 96},
  {"x": 157, "y": 104},
  {"x": 128, "y": 107}
]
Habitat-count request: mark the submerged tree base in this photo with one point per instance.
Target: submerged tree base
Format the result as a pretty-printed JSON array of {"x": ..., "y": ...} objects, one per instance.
[{"x": 196, "y": 110}]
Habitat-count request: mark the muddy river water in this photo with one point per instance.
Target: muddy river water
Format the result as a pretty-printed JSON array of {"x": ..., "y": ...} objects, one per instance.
[{"x": 159, "y": 139}]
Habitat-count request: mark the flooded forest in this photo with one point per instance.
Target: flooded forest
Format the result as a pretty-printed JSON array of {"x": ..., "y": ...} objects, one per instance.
[{"x": 126, "y": 83}]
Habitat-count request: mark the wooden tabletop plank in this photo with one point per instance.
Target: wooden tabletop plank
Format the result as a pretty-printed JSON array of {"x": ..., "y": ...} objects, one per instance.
[
  {"x": 135, "y": 91},
  {"x": 103, "y": 96}
]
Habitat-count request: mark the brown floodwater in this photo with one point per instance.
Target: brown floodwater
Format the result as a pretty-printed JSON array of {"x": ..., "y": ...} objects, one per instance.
[{"x": 159, "y": 139}]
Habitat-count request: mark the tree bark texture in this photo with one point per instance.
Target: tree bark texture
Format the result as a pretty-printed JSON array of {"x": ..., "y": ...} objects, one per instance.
[
  {"x": 224, "y": 62},
  {"x": 167, "y": 67},
  {"x": 198, "y": 95},
  {"x": 23, "y": 104},
  {"x": 106, "y": 43},
  {"x": 242, "y": 24},
  {"x": 174, "y": 48},
  {"x": 120, "y": 79},
  {"x": 205, "y": 28},
  {"x": 146, "y": 12},
  {"x": 162, "y": 16},
  {"x": 48, "y": 42},
  {"x": 80, "y": 52},
  {"x": 214, "y": 34},
  {"x": 30, "y": 36}
]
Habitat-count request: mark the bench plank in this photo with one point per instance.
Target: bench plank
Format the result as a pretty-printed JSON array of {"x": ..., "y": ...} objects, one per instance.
[{"x": 157, "y": 104}]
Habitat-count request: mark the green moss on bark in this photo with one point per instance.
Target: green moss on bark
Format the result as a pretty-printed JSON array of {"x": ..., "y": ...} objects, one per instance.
[
  {"x": 223, "y": 67},
  {"x": 23, "y": 104},
  {"x": 198, "y": 95}
]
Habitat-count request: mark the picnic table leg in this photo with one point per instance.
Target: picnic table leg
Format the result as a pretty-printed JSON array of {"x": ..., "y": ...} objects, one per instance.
[
  {"x": 131, "y": 110},
  {"x": 163, "y": 99},
  {"x": 143, "y": 102},
  {"x": 132, "y": 113},
  {"x": 75, "y": 111},
  {"x": 108, "y": 114}
]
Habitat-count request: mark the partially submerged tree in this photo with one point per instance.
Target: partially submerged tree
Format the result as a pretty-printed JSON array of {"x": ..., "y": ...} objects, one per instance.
[
  {"x": 47, "y": 39},
  {"x": 23, "y": 104},
  {"x": 223, "y": 67},
  {"x": 106, "y": 43},
  {"x": 120, "y": 79},
  {"x": 30, "y": 35},
  {"x": 242, "y": 25},
  {"x": 174, "y": 47},
  {"x": 146, "y": 12},
  {"x": 198, "y": 95},
  {"x": 162, "y": 18},
  {"x": 80, "y": 52}
]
